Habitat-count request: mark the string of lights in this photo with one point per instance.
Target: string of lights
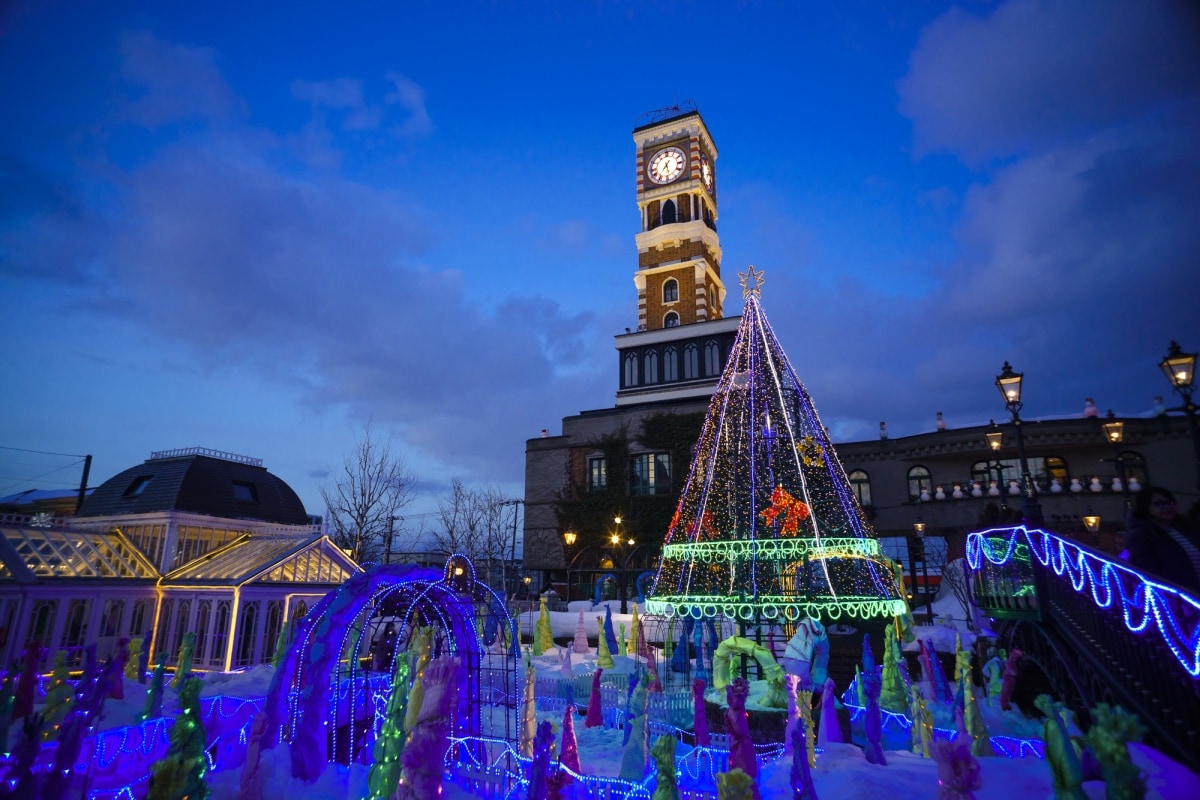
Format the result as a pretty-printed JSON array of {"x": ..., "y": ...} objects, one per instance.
[
  {"x": 1010, "y": 746},
  {"x": 767, "y": 522},
  {"x": 1144, "y": 603}
]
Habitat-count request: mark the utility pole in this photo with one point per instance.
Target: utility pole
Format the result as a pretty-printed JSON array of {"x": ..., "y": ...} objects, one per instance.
[{"x": 510, "y": 588}]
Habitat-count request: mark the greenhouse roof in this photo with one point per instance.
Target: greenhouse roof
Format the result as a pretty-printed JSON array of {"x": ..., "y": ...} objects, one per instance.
[
  {"x": 30, "y": 554},
  {"x": 268, "y": 558}
]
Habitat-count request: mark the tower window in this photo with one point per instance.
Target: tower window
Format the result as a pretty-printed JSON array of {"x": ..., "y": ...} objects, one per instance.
[
  {"x": 671, "y": 320},
  {"x": 630, "y": 374},
  {"x": 691, "y": 362},
  {"x": 651, "y": 364},
  {"x": 671, "y": 291},
  {"x": 670, "y": 364},
  {"x": 712, "y": 357},
  {"x": 668, "y": 212}
]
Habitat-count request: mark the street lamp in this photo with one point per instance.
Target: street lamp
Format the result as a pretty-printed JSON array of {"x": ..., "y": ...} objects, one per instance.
[
  {"x": 1180, "y": 369},
  {"x": 1009, "y": 384},
  {"x": 1091, "y": 522},
  {"x": 1114, "y": 432},
  {"x": 569, "y": 538},
  {"x": 618, "y": 550},
  {"x": 919, "y": 548},
  {"x": 995, "y": 437}
]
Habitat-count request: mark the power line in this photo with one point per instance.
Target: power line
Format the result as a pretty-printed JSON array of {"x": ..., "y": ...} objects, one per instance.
[{"x": 44, "y": 452}]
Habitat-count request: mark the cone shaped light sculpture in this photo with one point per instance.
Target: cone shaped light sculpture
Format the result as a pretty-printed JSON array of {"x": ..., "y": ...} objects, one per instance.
[{"x": 767, "y": 522}]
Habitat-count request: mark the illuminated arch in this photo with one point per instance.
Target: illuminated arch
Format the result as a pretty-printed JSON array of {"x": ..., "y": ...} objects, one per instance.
[{"x": 323, "y": 671}]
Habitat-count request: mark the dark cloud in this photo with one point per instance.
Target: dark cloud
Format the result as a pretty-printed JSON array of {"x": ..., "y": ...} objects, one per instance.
[
  {"x": 308, "y": 279},
  {"x": 1035, "y": 73}
]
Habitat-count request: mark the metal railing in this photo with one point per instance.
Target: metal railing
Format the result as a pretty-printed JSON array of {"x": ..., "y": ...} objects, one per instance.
[{"x": 1130, "y": 639}]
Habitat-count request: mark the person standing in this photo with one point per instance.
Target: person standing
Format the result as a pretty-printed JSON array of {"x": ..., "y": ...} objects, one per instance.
[{"x": 1161, "y": 542}]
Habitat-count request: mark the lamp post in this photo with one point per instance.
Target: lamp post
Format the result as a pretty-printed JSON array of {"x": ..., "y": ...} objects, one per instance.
[
  {"x": 569, "y": 538},
  {"x": 529, "y": 596},
  {"x": 1114, "y": 432},
  {"x": 995, "y": 438},
  {"x": 1180, "y": 369},
  {"x": 618, "y": 544},
  {"x": 919, "y": 548},
  {"x": 1009, "y": 384}
]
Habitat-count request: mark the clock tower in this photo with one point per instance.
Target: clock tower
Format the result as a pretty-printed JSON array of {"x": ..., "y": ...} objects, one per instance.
[{"x": 679, "y": 254}]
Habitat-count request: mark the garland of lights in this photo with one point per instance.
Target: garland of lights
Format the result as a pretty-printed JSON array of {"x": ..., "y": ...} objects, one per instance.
[
  {"x": 773, "y": 607},
  {"x": 1142, "y": 600},
  {"x": 773, "y": 549},
  {"x": 767, "y": 523}
]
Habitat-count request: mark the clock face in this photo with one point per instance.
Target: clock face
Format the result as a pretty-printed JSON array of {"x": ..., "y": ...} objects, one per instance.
[
  {"x": 706, "y": 172},
  {"x": 666, "y": 165}
]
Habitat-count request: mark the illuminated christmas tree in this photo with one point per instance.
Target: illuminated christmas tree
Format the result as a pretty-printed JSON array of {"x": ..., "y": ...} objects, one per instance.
[{"x": 767, "y": 521}]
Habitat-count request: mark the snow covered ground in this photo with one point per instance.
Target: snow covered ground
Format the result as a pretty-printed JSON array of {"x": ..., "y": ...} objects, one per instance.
[{"x": 842, "y": 771}]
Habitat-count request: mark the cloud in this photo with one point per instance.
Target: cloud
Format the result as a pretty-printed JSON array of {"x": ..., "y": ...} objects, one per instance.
[
  {"x": 1035, "y": 73},
  {"x": 343, "y": 95},
  {"x": 303, "y": 279},
  {"x": 1077, "y": 241},
  {"x": 173, "y": 82},
  {"x": 410, "y": 97}
]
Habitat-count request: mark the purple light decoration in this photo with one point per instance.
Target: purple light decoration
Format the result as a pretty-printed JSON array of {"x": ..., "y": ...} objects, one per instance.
[
  {"x": 699, "y": 716},
  {"x": 1142, "y": 599},
  {"x": 595, "y": 709}
]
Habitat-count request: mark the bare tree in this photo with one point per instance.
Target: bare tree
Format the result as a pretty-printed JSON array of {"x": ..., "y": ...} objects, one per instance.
[
  {"x": 472, "y": 522},
  {"x": 363, "y": 505}
]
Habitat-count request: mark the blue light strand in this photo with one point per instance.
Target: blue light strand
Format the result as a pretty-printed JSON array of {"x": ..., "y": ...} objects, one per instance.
[
  {"x": 1164, "y": 604},
  {"x": 1011, "y": 746}
]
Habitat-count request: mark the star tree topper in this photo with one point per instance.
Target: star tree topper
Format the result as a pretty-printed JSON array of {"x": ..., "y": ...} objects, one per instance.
[{"x": 752, "y": 281}]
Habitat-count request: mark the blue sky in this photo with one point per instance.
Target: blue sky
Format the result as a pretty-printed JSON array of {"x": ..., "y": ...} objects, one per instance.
[{"x": 235, "y": 227}]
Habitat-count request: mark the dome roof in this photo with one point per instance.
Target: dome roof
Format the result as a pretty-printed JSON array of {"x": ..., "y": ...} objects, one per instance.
[{"x": 200, "y": 482}]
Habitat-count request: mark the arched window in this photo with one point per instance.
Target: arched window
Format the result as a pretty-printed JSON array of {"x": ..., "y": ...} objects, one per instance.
[
  {"x": 274, "y": 625},
  {"x": 182, "y": 626},
  {"x": 691, "y": 362},
  {"x": 860, "y": 482},
  {"x": 1052, "y": 468},
  {"x": 651, "y": 365},
  {"x": 220, "y": 635},
  {"x": 712, "y": 357},
  {"x": 630, "y": 377},
  {"x": 164, "y": 624},
  {"x": 137, "y": 621},
  {"x": 1132, "y": 465},
  {"x": 670, "y": 364},
  {"x": 919, "y": 480},
  {"x": 668, "y": 212},
  {"x": 671, "y": 291},
  {"x": 76, "y": 629},
  {"x": 671, "y": 320},
  {"x": 44, "y": 612},
  {"x": 247, "y": 635},
  {"x": 203, "y": 610}
]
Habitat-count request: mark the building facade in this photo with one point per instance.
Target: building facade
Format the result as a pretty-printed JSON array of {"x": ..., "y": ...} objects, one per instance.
[
  {"x": 668, "y": 365},
  {"x": 950, "y": 481},
  {"x": 190, "y": 541}
]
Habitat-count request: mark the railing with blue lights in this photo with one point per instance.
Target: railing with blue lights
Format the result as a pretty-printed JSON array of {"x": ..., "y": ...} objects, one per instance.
[{"x": 1139, "y": 638}]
